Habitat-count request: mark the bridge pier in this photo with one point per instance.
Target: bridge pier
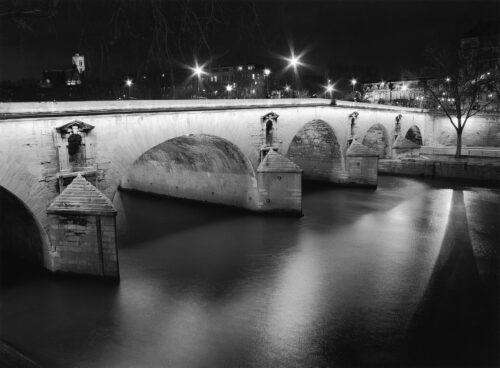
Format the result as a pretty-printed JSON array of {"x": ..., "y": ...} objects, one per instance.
[
  {"x": 279, "y": 182},
  {"x": 362, "y": 165},
  {"x": 82, "y": 230}
]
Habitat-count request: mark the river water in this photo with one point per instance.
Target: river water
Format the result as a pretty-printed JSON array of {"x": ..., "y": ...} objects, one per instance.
[{"x": 403, "y": 275}]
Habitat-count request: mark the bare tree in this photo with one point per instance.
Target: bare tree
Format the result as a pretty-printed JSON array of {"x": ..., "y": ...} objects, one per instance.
[{"x": 462, "y": 92}]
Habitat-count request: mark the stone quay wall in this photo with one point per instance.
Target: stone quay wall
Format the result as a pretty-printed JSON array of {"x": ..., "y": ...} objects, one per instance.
[{"x": 488, "y": 172}]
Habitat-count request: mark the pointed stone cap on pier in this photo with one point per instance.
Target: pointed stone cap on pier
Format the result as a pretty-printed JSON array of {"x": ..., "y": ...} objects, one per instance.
[
  {"x": 274, "y": 162},
  {"x": 358, "y": 149},
  {"x": 81, "y": 197},
  {"x": 404, "y": 143}
]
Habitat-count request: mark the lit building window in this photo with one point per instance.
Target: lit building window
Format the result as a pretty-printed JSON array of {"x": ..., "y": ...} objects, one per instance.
[{"x": 253, "y": 76}]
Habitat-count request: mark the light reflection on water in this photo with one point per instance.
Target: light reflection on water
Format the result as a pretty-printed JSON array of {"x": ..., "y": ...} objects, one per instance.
[{"x": 215, "y": 287}]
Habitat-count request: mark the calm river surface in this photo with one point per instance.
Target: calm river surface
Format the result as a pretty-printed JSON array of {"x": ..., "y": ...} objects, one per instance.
[{"x": 403, "y": 275}]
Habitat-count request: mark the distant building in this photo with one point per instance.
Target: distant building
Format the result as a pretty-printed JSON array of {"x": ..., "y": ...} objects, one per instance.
[
  {"x": 79, "y": 62},
  {"x": 69, "y": 77},
  {"x": 394, "y": 92},
  {"x": 482, "y": 43},
  {"x": 240, "y": 81}
]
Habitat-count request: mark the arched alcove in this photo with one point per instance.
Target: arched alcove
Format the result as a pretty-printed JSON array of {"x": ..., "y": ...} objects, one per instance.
[
  {"x": 315, "y": 148},
  {"x": 377, "y": 139},
  {"x": 199, "y": 167},
  {"x": 413, "y": 134}
]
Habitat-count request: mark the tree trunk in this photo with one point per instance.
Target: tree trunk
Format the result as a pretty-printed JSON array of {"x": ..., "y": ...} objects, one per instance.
[{"x": 458, "y": 152}]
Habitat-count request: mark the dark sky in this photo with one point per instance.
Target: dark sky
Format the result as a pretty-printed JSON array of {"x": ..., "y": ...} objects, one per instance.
[{"x": 384, "y": 36}]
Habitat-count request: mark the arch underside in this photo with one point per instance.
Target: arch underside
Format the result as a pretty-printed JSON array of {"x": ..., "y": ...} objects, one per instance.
[
  {"x": 413, "y": 134},
  {"x": 377, "y": 139},
  {"x": 199, "y": 167},
  {"x": 20, "y": 233},
  {"x": 316, "y": 150}
]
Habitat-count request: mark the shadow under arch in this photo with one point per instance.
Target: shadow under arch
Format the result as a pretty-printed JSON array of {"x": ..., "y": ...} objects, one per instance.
[
  {"x": 377, "y": 139},
  {"x": 413, "y": 134},
  {"x": 197, "y": 167},
  {"x": 22, "y": 238},
  {"x": 317, "y": 151}
]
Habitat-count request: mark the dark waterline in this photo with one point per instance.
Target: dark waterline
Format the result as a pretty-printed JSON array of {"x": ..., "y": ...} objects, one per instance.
[{"x": 403, "y": 275}]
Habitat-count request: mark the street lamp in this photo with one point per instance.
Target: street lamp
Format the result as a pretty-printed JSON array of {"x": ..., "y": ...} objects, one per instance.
[
  {"x": 287, "y": 90},
  {"x": 267, "y": 71},
  {"x": 294, "y": 62},
  {"x": 129, "y": 83},
  {"x": 229, "y": 88},
  {"x": 353, "y": 82},
  {"x": 198, "y": 71},
  {"x": 329, "y": 89}
]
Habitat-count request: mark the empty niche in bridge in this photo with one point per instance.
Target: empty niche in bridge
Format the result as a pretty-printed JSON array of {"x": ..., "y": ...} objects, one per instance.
[
  {"x": 74, "y": 146},
  {"x": 413, "y": 134}
]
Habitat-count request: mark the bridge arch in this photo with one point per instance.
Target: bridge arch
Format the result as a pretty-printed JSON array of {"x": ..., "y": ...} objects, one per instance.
[
  {"x": 377, "y": 139},
  {"x": 21, "y": 234},
  {"x": 413, "y": 134},
  {"x": 316, "y": 149},
  {"x": 197, "y": 166}
]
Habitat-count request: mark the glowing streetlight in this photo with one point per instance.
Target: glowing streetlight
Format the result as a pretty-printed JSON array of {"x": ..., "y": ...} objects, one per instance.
[
  {"x": 353, "y": 82},
  {"x": 287, "y": 90},
  {"x": 448, "y": 79},
  {"x": 128, "y": 83},
  {"x": 267, "y": 71},
  {"x": 329, "y": 89},
  {"x": 229, "y": 88},
  {"x": 198, "y": 71},
  {"x": 294, "y": 61}
]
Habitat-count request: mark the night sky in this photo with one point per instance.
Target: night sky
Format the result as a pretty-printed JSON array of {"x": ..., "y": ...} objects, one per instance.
[{"x": 383, "y": 37}]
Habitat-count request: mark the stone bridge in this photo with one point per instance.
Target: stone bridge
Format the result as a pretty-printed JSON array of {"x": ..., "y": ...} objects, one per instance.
[{"x": 209, "y": 150}]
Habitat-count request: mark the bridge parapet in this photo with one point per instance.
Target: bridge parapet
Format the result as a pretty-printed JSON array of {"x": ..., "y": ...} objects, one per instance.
[{"x": 40, "y": 109}]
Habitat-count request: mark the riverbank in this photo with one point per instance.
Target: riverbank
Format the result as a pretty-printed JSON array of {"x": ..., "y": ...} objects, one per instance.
[
  {"x": 444, "y": 166},
  {"x": 11, "y": 358}
]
